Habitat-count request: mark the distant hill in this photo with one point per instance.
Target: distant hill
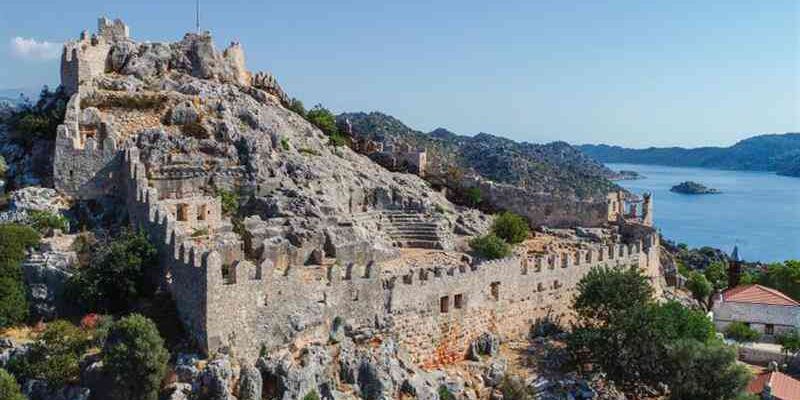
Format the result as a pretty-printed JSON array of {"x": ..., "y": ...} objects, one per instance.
[
  {"x": 555, "y": 168},
  {"x": 778, "y": 153}
]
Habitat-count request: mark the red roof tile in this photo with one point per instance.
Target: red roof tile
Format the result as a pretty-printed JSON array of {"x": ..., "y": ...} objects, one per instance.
[
  {"x": 784, "y": 387},
  {"x": 757, "y": 294}
]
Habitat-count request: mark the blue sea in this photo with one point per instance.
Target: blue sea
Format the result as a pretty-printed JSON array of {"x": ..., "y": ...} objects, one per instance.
[{"x": 757, "y": 211}]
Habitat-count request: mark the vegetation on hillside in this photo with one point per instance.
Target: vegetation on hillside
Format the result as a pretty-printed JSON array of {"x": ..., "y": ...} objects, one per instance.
[
  {"x": 490, "y": 247},
  {"x": 14, "y": 240},
  {"x": 555, "y": 168},
  {"x": 662, "y": 343},
  {"x": 38, "y": 120},
  {"x": 116, "y": 278},
  {"x": 511, "y": 227},
  {"x": 134, "y": 358}
]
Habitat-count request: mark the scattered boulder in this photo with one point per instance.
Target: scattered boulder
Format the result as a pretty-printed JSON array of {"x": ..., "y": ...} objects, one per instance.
[
  {"x": 216, "y": 380},
  {"x": 249, "y": 383},
  {"x": 486, "y": 344},
  {"x": 37, "y": 199},
  {"x": 495, "y": 372}
]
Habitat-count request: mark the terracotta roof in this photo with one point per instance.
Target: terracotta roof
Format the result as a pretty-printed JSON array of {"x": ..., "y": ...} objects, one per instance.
[
  {"x": 757, "y": 294},
  {"x": 784, "y": 387}
]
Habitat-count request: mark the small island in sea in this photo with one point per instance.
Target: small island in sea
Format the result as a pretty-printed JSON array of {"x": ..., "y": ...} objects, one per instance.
[
  {"x": 626, "y": 175},
  {"x": 690, "y": 187}
]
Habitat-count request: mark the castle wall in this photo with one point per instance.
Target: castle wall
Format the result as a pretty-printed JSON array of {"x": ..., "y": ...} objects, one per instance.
[
  {"x": 85, "y": 166},
  {"x": 504, "y": 296}
]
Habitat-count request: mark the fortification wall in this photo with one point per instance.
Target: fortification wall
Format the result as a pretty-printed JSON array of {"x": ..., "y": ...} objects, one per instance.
[
  {"x": 184, "y": 267},
  {"x": 86, "y": 155},
  {"x": 438, "y": 314},
  {"x": 541, "y": 209}
]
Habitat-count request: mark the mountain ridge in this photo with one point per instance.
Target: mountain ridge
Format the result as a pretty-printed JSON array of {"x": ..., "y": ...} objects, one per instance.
[{"x": 779, "y": 153}]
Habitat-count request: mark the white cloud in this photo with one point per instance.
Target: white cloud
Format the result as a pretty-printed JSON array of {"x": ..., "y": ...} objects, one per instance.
[{"x": 31, "y": 49}]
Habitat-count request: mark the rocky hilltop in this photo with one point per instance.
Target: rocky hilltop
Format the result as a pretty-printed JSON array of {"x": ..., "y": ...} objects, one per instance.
[
  {"x": 288, "y": 263},
  {"x": 554, "y": 172},
  {"x": 778, "y": 153}
]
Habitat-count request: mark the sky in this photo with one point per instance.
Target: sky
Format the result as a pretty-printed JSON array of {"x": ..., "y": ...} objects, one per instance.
[{"x": 632, "y": 73}]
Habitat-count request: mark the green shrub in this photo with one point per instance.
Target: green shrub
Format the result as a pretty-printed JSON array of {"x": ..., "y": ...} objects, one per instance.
[
  {"x": 312, "y": 395},
  {"x": 285, "y": 144},
  {"x": 14, "y": 240},
  {"x": 297, "y": 106},
  {"x": 134, "y": 358},
  {"x": 337, "y": 139},
  {"x": 116, "y": 276},
  {"x": 705, "y": 371},
  {"x": 474, "y": 196},
  {"x": 200, "y": 232},
  {"x": 195, "y": 129},
  {"x": 490, "y": 247},
  {"x": 9, "y": 389},
  {"x": 306, "y": 150},
  {"x": 46, "y": 222},
  {"x": 55, "y": 355},
  {"x": 445, "y": 393},
  {"x": 741, "y": 333},
  {"x": 514, "y": 388},
  {"x": 229, "y": 200},
  {"x": 40, "y": 120},
  {"x": 323, "y": 119},
  {"x": 511, "y": 227}
]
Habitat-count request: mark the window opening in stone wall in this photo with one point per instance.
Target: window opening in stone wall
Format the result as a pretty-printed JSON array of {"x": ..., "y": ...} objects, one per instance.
[
  {"x": 227, "y": 274},
  {"x": 769, "y": 329},
  {"x": 495, "y": 290},
  {"x": 458, "y": 301},
  {"x": 182, "y": 212},
  {"x": 354, "y": 295},
  {"x": 444, "y": 304},
  {"x": 201, "y": 212}
]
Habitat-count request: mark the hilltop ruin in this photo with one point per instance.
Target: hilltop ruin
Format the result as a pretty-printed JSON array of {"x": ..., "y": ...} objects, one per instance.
[{"x": 327, "y": 234}]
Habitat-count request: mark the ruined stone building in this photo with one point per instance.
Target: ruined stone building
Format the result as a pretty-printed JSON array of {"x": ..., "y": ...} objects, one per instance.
[{"x": 324, "y": 233}]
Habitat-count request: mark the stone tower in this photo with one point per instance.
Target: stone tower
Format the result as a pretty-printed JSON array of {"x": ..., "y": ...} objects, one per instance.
[{"x": 647, "y": 209}]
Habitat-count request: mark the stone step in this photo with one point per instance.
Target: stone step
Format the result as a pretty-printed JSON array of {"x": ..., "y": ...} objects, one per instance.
[
  {"x": 414, "y": 228},
  {"x": 420, "y": 244},
  {"x": 423, "y": 236}
]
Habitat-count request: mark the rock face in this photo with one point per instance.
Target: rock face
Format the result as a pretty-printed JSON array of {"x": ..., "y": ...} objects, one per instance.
[{"x": 690, "y": 187}]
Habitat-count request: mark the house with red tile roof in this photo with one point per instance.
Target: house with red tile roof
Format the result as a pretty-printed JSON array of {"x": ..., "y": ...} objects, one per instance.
[
  {"x": 780, "y": 386},
  {"x": 766, "y": 310}
]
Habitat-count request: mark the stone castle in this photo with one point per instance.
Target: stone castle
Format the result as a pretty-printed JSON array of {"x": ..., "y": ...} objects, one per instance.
[{"x": 255, "y": 284}]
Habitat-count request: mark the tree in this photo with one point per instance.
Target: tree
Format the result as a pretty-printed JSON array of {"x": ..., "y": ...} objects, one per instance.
[
  {"x": 604, "y": 292},
  {"x": 9, "y": 389},
  {"x": 116, "y": 277},
  {"x": 511, "y": 227},
  {"x": 717, "y": 274},
  {"x": 490, "y": 247},
  {"x": 790, "y": 342},
  {"x": 784, "y": 277},
  {"x": 14, "y": 240},
  {"x": 624, "y": 331},
  {"x": 741, "y": 333},
  {"x": 700, "y": 288},
  {"x": 134, "y": 358},
  {"x": 55, "y": 355},
  {"x": 705, "y": 371}
]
